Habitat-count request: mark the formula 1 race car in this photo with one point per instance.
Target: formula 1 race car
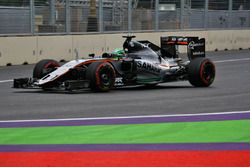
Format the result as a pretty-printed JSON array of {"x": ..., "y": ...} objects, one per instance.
[{"x": 137, "y": 63}]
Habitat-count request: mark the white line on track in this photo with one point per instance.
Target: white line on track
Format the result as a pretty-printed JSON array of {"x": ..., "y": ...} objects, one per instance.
[
  {"x": 5, "y": 81},
  {"x": 127, "y": 117},
  {"x": 231, "y": 60}
]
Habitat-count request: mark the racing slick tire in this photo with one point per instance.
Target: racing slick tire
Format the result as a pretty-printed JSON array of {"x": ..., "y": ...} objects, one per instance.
[
  {"x": 201, "y": 72},
  {"x": 44, "y": 67},
  {"x": 101, "y": 76}
]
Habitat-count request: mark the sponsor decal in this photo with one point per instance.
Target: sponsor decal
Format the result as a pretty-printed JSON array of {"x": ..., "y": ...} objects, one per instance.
[
  {"x": 192, "y": 44},
  {"x": 198, "y": 53},
  {"x": 119, "y": 82},
  {"x": 177, "y": 39},
  {"x": 148, "y": 67},
  {"x": 184, "y": 39}
]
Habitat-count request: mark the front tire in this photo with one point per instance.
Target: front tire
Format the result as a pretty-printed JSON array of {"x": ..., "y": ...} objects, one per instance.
[
  {"x": 101, "y": 76},
  {"x": 44, "y": 67},
  {"x": 201, "y": 72}
]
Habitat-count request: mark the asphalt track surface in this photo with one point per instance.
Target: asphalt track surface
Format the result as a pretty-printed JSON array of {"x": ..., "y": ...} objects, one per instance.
[{"x": 230, "y": 92}]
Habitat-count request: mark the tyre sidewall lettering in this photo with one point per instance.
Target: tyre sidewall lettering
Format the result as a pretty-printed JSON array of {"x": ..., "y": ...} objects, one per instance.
[
  {"x": 99, "y": 84},
  {"x": 202, "y": 68}
]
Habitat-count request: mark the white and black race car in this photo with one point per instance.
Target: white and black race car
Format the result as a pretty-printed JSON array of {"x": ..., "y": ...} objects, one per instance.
[{"x": 137, "y": 63}]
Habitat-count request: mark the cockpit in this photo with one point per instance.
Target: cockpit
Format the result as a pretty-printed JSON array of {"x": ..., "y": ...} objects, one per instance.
[
  {"x": 133, "y": 46},
  {"x": 137, "y": 50}
]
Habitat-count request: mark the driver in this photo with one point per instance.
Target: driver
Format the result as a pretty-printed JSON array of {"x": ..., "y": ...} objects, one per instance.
[{"x": 117, "y": 53}]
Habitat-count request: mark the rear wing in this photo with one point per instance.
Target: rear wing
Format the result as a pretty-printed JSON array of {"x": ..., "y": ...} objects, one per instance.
[{"x": 195, "y": 46}]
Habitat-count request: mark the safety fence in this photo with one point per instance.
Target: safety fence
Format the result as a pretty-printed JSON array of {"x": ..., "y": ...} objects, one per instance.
[{"x": 103, "y": 16}]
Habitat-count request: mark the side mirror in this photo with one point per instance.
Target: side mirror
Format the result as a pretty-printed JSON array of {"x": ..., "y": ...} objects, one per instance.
[{"x": 92, "y": 55}]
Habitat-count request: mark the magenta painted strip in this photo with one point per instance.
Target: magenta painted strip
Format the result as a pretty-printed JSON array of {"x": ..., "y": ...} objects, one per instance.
[
  {"x": 125, "y": 147},
  {"x": 195, "y": 118}
]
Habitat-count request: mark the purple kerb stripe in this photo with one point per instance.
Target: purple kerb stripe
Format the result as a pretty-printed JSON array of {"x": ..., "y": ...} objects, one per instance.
[
  {"x": 143, "y": 120},
  {"x": 126, "y": 147}
]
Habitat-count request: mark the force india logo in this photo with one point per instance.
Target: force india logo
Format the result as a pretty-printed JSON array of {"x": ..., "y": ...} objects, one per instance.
[{"x": 148, "y": 67}]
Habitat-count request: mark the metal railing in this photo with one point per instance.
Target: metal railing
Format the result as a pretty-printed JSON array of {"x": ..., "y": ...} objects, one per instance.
[{"x": 99, "y": 16}]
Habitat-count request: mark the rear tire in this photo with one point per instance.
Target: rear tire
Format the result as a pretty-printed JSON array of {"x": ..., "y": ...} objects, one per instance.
[
  {"x": 44, "y": 67},
  {"x": 101, "y": 76},
  {"x": 201, "y": 72}
]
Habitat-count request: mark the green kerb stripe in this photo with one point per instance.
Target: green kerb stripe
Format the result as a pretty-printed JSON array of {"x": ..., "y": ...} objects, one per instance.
[{"x": 191, "y": 132}]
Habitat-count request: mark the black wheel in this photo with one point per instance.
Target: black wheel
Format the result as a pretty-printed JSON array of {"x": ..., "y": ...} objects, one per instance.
[
  {"x": 101, "y": 76},
  {"x": 44, "y": 67},
  {"x": 201, "y": 72}
]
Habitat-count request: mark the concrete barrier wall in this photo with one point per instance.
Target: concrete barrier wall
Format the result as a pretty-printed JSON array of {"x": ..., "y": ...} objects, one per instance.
[
  {"x": 241, "y": 40},
  {"x": 30, "y": 49},
  {"x": 17, "y": 50},
  {"x": 54, "y": 47},
  {"x": 87, "y": 44}
]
